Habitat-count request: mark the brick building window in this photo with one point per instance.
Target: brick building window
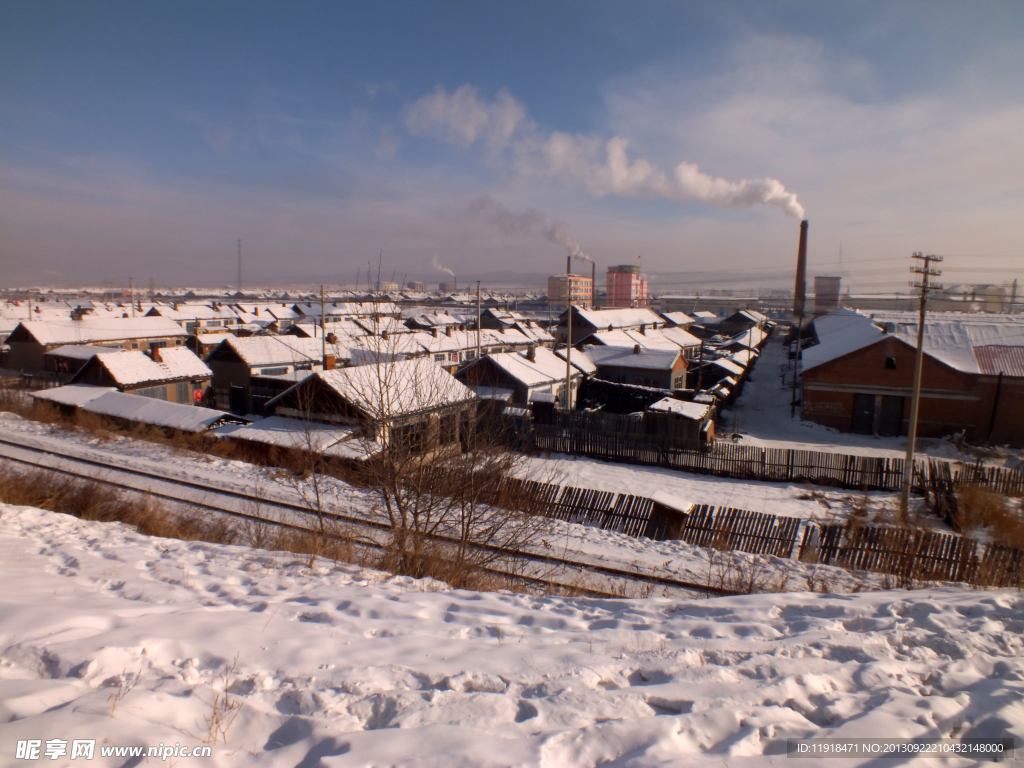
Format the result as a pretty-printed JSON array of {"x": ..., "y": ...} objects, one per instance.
[{"x": 890, "y": 363}]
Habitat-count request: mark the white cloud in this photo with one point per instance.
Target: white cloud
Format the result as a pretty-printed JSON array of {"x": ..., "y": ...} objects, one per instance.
[{"x": 462, "y": 117}]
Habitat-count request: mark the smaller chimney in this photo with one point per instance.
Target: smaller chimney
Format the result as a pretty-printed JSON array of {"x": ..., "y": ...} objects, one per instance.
[
  {"x": 154, "y": 352},
  {"x": 256, "y": 311},
  {"x": 384, "y": 335},
  {"x": 433, "y": 332},
  {"x": 332, "y": 339},
  {"x": 636, "y": 349},
  {"x": 531, "y": 353},
  {"x": 330, "y": 362},
  {"x": 447, "y": 330},
  {"x": 643, "y": 329}
]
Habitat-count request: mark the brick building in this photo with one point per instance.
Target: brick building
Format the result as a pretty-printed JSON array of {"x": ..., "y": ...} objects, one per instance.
[
  {"x": 580, "y": 291},
  {"x": 626, "y": 287},
  {"x": 859, "y": 377}
]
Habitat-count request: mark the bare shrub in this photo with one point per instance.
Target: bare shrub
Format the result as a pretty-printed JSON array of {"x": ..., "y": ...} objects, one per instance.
[{"x": 744, "y": 574}]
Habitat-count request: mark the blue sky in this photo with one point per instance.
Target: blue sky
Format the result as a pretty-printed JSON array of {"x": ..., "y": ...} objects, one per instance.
[{"x": 143, "y": 138}]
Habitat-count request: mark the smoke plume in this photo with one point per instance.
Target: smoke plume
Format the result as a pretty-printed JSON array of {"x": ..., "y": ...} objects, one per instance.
[
  {"x": 528, "y": 222},
  {"x": 441, "y": 267},
  {"x": 601, "y": 166}
]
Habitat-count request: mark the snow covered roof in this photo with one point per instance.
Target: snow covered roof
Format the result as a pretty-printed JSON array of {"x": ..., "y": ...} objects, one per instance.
[
  {"x": 329, "y": 439},
  {"x": 135, "y": 367},
  {"x": 704, "y": 316},
  {"x": 185, "y": 313},
  {"x": 743, "y": 357},
  {"x": 729, "y": 365},
  {"x": 212, "y": 338},
  {"x": 87, "y": 330},
  {"x": 393, "y": 389},
  {"x": 981, "y": 344},
  {"x": 628, "y": 357},
  {"x": 839, "y": 333},
  {"x": 677, "y": 318},
  {"x": 750, "y": 338},
  {"x": 493, "y": 393},
  {"x": 159, "y": 413},
  {"x": 688, "y": 410},
  {"x": 545, "y": 368},
  {"x": 274, "y": 350},
  {"x": 619, "y": 318},
  {"x": 72, "y": 394},
  {"x": 579, "y": 360}
]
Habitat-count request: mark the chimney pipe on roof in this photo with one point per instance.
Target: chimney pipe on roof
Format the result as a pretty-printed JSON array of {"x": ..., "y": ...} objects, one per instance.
[
  {"x": 636, "y": 349},
  {"x": 531, "y": 353}
]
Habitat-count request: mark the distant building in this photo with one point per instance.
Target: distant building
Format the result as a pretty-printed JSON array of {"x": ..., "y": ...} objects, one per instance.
[
  {"x": 416, "y": 285},
  {"x": 451, "y": 287},
  {"x": 580, "y": 291},
  {"x": 626, "y": 287},
  {"x": 386, "y": 287},
  {"x": 826, "y": 294}
]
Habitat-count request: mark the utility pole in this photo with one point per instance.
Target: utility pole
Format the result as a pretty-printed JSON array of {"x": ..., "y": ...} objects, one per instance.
[
  {"x": 568, "y": 333},
  {"x": 925, "y": 271},
  {"x": 131, "y": 282},
  {"x": 477, "y": 319},
  {"x": 700, "y": 366},
  {"x": 239, "y": 265},
  {"x": 323, "y": 329},
  {"x": 1013, "y": 296}
]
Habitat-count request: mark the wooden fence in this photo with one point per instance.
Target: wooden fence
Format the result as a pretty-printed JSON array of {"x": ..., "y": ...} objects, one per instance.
[
  {"x": 738, "y": 529},
  {"x": 875, "y": 473}
]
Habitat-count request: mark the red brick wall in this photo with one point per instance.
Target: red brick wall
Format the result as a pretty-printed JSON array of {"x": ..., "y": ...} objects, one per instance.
[{"x": 937, "y": 416}]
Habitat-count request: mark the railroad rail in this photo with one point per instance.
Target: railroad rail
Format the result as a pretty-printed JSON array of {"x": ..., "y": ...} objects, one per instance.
[{"x": 36, "y": 459}]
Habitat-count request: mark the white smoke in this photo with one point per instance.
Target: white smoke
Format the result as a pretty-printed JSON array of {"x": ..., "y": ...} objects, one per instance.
[
  {"x": 603, "y": 167},
  {"x": 441, "y": 267},
  {"x": 527, "y": 222}
]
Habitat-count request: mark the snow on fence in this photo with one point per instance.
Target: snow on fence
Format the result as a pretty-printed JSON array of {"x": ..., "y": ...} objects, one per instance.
[{"x": 876, "y": 473}]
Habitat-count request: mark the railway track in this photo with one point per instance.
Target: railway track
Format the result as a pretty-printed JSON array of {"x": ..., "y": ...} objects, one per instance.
[{"x": 234, "y": 503}]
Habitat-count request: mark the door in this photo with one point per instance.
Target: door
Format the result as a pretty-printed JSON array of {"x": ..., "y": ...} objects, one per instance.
[
  {"x": 863, "y": 414},
  {"x": 891, "y": 422}
]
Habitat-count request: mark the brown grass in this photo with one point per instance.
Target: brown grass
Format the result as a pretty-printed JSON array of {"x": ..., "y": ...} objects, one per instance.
[{"x": 982, "y": 510}]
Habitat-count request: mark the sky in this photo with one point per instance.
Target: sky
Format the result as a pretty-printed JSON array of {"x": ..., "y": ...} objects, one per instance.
[{"x": 144, "y": 139}]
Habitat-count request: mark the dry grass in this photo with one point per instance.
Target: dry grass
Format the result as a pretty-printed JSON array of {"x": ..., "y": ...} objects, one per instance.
[{"x": 980, "y": 510}]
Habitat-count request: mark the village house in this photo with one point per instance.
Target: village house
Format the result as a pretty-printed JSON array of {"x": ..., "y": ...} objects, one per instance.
[
  {"x": 588, "y": 321},
  {"x": 859, "y": 376},
  {"x": 236, "y": 360},
  {"x": 523, "y": 375},
  {"x": 658, "y": 368},
  {"x": 173, "y": 374},
  {"x": 31, "y": 339},
  {"x": 412, "y": 404}
]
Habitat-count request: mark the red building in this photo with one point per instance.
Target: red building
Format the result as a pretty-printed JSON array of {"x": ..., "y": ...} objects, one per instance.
[{"x": 626, "y": 287}]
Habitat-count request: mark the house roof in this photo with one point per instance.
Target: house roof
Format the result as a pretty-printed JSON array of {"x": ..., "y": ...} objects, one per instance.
[
  {"x": 191, "y": 312},
  {"x": 545, "y": 368},
  {"x": 728, "y": 365},
  {"x": 677, "y": 318},
  {"x": 579, "y": 360},
  {"x": 619, "y": 318},
  {"x": 87, "y": 330},
  {"x": 159, "y": 413},
  {"x": 689, "y": 410},
  {"x": 629, "y": 357},
  {"x": 72, "y": 394},
  {"x": 329, "y": 439},
  {"x": 392, "y": 389},
  {"x": 273, "y": 350},
  {"x": 980, "y": 344},
  {"x": 750, "y": 338},
  {"x": 135, "y": 367}
]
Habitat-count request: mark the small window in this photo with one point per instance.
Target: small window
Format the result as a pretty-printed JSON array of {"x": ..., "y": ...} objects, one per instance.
[
  {"x": 274, "y": 371},
  {"x": 890, "y": 363},
  {"x": 439, "y": 358},
  {"x": 135, "y": 345}
]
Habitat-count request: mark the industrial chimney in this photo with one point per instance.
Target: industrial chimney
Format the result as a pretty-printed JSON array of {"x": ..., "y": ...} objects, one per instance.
[{"x": 800, "y": 290}]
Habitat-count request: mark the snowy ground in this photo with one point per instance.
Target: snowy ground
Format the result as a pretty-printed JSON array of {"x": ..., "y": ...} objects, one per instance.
[
  {"x": 128, "y": 640},
  {"x": 761, "y": 416}
]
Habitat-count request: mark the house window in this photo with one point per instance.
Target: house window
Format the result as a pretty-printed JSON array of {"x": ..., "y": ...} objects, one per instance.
[
  {"x": 182, "y": 394},
  {"x": 470, "y": 355},
  {"x": 446, "y": 432},
  {"x": 274, "y": 371},
  {"x": 135, "y": 345},
  {"x": 411, "y": 437},
  {"x": 890, "y": 363},
  {"x": 213, "y": 324},
  {"x": 157, "y": 393},
  {"x": 438, "y": 358}
]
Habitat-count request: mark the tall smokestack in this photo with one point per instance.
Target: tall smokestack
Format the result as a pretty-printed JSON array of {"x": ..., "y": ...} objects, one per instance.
[
  {"x": 593, "y": 285},
  {"x": 800, "y": 290}
]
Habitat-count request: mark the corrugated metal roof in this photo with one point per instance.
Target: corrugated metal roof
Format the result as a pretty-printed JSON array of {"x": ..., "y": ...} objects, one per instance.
[{"x": 994, "y": 359}]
